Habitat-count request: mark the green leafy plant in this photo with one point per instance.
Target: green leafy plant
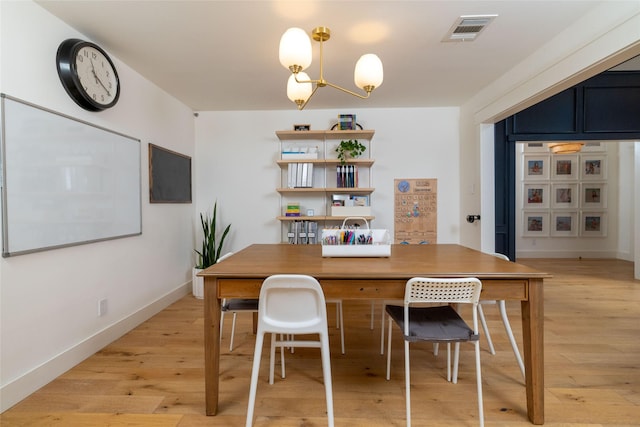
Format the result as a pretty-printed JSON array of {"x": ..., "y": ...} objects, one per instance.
[
  {"x": 350, "y": 148},
  {"x": 211, "y": 250}
]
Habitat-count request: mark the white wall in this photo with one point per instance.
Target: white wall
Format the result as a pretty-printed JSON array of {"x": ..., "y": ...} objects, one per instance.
[
  {"x": 626, "y": 191},
  {"x": 48, "y": 300},
  {"x": 617, "y": 241},
  {"x": 237, "y": 153}
]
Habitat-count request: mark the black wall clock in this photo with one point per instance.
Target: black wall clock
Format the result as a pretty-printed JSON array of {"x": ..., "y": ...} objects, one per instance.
[{"x": 87, "y": 74}]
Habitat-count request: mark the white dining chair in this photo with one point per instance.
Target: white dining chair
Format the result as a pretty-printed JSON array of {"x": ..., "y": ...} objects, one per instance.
[
  {"x": 502, "y": 308},
  {"x": 234, "y": 306},
  {"x": 290, "y": 305},
  {"x": 440, "y": 324}
]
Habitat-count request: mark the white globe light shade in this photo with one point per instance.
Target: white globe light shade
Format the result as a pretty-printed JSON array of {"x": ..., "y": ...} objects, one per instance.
[
  {"x": 295, "y": 48},
  {"x": 298, "y": 91},
  {"x": 368, "y": 71}
]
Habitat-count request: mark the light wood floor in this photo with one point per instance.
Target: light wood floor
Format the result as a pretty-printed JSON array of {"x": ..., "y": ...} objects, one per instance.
[{"x": 153, "y": 376}]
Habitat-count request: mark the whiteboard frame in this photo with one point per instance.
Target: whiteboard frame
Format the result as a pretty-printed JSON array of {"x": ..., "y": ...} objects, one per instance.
[{"x": 7, "y": 247}]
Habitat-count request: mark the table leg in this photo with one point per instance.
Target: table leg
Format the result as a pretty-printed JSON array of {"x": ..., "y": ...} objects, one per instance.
[
  {"x": 211, "y": 344},
  {"x": 255, "y": 323},
  {"x": 533, "y": 340}
]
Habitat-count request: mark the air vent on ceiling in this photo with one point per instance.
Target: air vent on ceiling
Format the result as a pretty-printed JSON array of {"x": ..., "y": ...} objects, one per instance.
[{"x": 468, "y": 27}]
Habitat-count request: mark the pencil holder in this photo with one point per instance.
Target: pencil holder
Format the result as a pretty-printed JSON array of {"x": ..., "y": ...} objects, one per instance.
[{"x": 355, "y": 242}]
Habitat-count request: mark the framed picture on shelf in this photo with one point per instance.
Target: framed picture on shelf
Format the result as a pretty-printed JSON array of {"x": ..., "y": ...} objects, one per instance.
[
  {"x": 593, "y": 195},
  {"x": 593, "y": 224},
  {"x": 535, "y": 196},
  {"x": 564, "y": 195},
  {"x": 594, "y": 167},
  {"x": 564, "y": 167},
  {"x": 347, "y": 122},
  {"x": 301, "y": 128},
  {"x": 536, "y": 167},
  {"x": 535, "y": 224},
  {"x": 536, "y": 147},
  {"x": 564, "y": 223},
  {"x": 594, "y": 146}
]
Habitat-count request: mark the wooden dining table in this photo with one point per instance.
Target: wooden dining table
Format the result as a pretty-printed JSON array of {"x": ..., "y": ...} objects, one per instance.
[{"x": 351, "y": 278}]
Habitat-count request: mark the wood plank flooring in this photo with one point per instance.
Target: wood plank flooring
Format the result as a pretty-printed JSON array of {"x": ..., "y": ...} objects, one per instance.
[{"x": 153, "y": 376}]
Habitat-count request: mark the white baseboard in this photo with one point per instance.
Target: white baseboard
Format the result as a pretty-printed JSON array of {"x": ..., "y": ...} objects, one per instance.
[{"x": 21, "y": 387}]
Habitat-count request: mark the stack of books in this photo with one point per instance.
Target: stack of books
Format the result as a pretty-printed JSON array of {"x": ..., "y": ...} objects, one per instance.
[{"x": 293, "y": 209}]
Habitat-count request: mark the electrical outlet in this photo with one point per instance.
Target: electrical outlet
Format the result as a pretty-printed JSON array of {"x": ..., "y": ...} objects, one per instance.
[{"x": 102, "y": 307}]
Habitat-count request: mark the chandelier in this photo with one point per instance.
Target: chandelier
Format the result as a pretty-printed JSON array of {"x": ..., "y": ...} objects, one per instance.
[
  {"x": 295, "y": 55},
  {"x": 565, "y": 147}
]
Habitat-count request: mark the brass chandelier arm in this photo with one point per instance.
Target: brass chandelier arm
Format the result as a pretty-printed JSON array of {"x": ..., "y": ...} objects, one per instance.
[
  {"x": 322, "y": 83},
  {"x": 350, "y": 92},
  {"x": 301, "y": 105}
]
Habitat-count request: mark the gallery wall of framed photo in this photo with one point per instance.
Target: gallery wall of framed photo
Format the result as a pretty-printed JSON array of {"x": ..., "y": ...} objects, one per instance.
[{"x": 563, "y": 195}]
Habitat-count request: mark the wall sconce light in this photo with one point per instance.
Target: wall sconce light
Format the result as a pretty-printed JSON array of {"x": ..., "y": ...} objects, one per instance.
[{"x": 295, "y": 55}]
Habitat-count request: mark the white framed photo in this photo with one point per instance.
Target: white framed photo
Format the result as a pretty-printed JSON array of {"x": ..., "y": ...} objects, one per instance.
[
  {"x": 535, "y": 196},
  {"x": 536, "y": 147},
  {"x": 593, "y": 195},
  {"x": 593, "y": 167},
  {"x": 564, "y": 167},
  {"x": 564, "y": 195},
  {"x": 593, "y": 224},
  {"x": 564, "y": 223},
  {"x": 535, "y": 224},
  {"x": 536, "y": 167}
]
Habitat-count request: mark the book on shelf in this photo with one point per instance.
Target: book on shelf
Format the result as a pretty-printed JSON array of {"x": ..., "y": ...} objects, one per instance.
[
  {"x": 346, "y": 176},
  {"x": 291, "y": 174},
  {"x": 300, "y": 175}
]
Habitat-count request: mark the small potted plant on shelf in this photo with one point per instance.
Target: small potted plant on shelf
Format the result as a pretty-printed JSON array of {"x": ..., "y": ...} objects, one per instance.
[
  {"x": 211, "y": 249},
  {"x": 351, "y": 148}
]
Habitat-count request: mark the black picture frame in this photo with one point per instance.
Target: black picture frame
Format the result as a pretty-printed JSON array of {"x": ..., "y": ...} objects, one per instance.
[{"x": 169, "y": 176}]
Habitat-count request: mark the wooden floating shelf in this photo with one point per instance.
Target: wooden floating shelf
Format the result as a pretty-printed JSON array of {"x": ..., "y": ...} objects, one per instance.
[
  {"x": 293, "y": 135},
  {"x": 328, "y": 162},
  {"x": 320, "y": 218},
  {"x": 341, "y": 190}
]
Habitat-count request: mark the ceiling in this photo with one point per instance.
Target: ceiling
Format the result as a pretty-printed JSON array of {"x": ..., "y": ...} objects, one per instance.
[{"x": 223, "y": 55}]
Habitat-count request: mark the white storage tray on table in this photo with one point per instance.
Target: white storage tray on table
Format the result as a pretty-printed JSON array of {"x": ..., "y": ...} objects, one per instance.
[{"x": 355, "y": 242}]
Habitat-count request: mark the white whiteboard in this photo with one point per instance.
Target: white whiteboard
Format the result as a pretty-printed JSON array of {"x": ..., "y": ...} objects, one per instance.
[{"x": 64, "y": 181}]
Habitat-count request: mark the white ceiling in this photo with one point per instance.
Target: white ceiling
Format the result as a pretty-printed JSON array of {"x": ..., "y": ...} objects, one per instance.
[{"x": 223, "y": 55}]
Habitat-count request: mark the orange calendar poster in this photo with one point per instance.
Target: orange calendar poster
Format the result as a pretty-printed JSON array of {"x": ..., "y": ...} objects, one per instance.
[{"x": 416, "y": 211}]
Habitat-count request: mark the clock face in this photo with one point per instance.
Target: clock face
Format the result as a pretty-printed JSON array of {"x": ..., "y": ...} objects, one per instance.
[
  {"x": 97, "y": 75},
  {"x": 403, "y": 186},
  {"x": 87, "y": 74}
]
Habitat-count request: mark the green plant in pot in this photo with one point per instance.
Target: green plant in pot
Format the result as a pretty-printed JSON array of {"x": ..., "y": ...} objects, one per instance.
[
  {"x": 211, "y": 247},
  {"x": 210, "y": 251},
  {"x": 351, "y": 148}
]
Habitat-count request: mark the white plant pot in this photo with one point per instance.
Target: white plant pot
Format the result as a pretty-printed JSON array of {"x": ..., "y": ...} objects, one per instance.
[{"x": 197, "y": 284}]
